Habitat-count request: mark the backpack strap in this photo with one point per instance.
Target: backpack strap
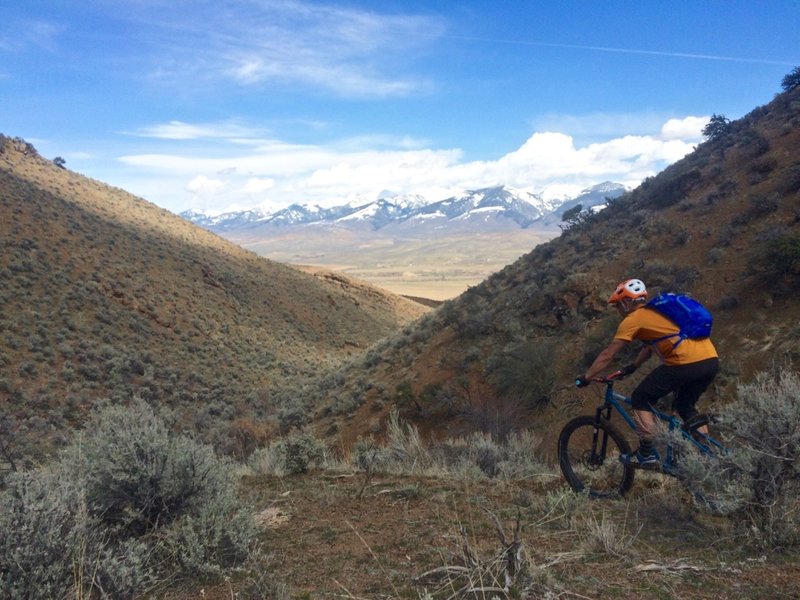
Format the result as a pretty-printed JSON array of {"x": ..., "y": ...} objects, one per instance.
[{"x": 679, "y": 335}]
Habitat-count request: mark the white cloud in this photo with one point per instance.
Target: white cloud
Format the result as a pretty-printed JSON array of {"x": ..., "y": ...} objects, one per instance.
[
  {"x": 21, "y": 35},
  {"x": 256, "y": 185},
  {"x": 274, "y": 173},
  {"x": 204, "y": 185},
  {"x": 687, "y": 128},
  {"x": 178, "y": 130},
  {"x": 347, "y": 51}
]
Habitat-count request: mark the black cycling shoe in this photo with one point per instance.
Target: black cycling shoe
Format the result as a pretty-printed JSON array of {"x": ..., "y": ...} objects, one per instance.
[{"x": 642, "y": 461}]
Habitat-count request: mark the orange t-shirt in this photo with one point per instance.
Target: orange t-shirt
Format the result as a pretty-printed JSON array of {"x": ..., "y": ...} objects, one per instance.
[{"x": 646, "y": 324}]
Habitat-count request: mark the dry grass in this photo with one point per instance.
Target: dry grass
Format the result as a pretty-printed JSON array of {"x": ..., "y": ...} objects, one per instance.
[{"x": 411, "y": 535}]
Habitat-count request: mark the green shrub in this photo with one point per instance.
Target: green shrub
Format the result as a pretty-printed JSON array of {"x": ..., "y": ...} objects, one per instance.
[
  {"x": 128, "y": 504},
  {"x": 667, "y": 276},
  {"x": 301, "y": 451},
  {"x": 789, "y": 180},
  {"x": 405, "y": 450},
  {"x": 139, "y": 475},
  {"x": 765, "y": 420},
  {"x": 368, "y": 457},
  {"x": 215, "y": 538},
  {"x": 292, "y": 413},
  {"x": 520, "y": 458},
  {"x": 485, "y": 453},
  {"x": 757, "y": 482},
  {"x": 776, "y": 257},
  {"x": 669, "y": 187},
  {"x": 41, "y": 527},
  {"x": 758, "y": 206},
  {"x": 476, "y": 324},
  {"x": 526, "y": 371}
]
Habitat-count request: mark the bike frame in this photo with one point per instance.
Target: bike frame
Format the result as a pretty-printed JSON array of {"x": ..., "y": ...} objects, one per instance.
[{"x": 616, "y": 401}]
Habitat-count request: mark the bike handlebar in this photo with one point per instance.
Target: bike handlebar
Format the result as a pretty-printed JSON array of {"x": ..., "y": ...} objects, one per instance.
[
  {"x": 608, "y": 379},
  {"x": 611, "y": 377}
]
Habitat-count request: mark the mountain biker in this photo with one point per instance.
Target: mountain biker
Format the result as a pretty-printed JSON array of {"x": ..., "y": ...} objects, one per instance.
[{"x": 687, "y": 368}]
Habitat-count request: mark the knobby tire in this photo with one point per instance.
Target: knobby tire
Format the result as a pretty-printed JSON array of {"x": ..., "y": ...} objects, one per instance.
[{"x": 597, "y": 471}]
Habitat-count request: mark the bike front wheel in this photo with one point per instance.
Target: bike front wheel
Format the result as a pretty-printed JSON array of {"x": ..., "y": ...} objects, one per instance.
[{"x": 588, "y": 454}]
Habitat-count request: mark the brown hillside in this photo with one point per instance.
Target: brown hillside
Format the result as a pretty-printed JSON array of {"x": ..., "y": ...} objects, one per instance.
[
  {"x": 722, "y": 224},
  {"x": 105, "y": 295}
]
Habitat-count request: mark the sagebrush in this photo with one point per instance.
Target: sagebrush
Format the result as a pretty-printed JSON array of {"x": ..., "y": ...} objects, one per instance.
[{"x": 128, "y": 506}]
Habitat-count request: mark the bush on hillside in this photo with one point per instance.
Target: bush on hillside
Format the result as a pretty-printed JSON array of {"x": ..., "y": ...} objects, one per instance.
[
  {"x": 765, "y": 420},
  {"x": 47, "y": 538},
  {"x": 300, "y": 452},
  {"x": 575, "y": 218},
  {"x": 405, "y": 449},
  {"x": 775, "y": 257},
  {"x": 665, "y": 276},
  {"x": 752, "y": 143},
  {"x": 758, "y": 206},
  {"x": 479, "y": 455},
  {"x": 789, "y": 180},
  {"x": 757, "y": 482},
  {"x": 668, "y": 188},
  {"x": 525, "y": 370},
  {"x": 128, "y": 505},
  {"x": 292, "y": 454}
]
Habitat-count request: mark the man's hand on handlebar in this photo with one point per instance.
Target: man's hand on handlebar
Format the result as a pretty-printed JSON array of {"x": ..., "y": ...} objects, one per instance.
[{"x": 581, "y": 381}]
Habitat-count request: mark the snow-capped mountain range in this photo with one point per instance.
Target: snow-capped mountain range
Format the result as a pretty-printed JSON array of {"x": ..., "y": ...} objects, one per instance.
[{"x": 489, "y": 208}]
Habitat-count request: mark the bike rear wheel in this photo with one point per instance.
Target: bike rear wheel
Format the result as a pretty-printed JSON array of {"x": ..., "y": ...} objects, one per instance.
[{"x": 588, "y": 454}]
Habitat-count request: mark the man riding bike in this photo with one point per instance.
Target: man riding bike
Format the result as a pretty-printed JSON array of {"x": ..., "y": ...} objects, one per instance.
[{"x": 687, "y": 368}]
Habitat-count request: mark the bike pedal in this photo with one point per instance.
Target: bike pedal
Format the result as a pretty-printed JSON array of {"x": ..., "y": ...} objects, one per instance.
[{"x": 648, "y": 466}]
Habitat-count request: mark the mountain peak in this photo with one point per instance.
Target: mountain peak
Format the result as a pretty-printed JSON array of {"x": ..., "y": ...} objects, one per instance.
[{"x": 490, "y": 208}]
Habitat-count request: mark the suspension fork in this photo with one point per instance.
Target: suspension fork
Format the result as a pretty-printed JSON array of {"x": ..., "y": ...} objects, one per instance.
[
  {"x": 599, "y": 435},
  {"x": 602, "y": 412}
]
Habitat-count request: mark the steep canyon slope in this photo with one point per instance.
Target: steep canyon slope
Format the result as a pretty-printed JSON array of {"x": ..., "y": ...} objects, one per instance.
[
  {"x": 722, "y": 224},
  {"x": 105, "y": 295}
]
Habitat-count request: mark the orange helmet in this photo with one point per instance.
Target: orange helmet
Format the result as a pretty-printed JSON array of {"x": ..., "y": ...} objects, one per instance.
[{"x": 631, "y": 288}]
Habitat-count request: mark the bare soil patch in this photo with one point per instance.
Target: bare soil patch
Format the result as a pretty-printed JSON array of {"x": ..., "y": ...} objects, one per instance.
[{"x": 328, "y": 543}]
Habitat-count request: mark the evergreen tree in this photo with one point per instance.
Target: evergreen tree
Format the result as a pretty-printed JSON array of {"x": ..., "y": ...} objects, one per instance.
[
  {"x": 791, "y": 80},
  {"x": 718, "y": 126}
]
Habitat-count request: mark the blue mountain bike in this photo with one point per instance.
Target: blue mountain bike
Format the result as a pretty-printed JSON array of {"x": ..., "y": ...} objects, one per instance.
[{"x": 589, "y": 446}]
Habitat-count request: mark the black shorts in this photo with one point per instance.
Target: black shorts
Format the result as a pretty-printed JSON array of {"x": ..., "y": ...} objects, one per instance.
[{"x": 687, "y": 382}]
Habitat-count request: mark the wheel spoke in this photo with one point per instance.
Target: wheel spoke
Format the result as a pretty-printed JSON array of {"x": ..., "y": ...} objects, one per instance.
[{"x": 589, "y": 458}]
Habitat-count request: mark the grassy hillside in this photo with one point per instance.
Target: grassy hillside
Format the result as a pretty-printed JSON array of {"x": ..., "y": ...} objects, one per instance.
[
  {"x": 105, "y": 295},
  {"x": 722, "y": 224}
]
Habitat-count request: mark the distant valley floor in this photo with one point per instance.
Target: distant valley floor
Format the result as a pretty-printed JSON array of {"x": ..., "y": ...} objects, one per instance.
[{"x": 438, "y": 267}]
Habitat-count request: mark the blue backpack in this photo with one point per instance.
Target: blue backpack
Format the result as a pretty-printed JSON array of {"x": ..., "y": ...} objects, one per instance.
[{"x": 692, "y": 318}]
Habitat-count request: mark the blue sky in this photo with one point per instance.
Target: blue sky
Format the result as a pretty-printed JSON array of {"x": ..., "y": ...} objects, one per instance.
[{"x": 224, "y": 105}]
